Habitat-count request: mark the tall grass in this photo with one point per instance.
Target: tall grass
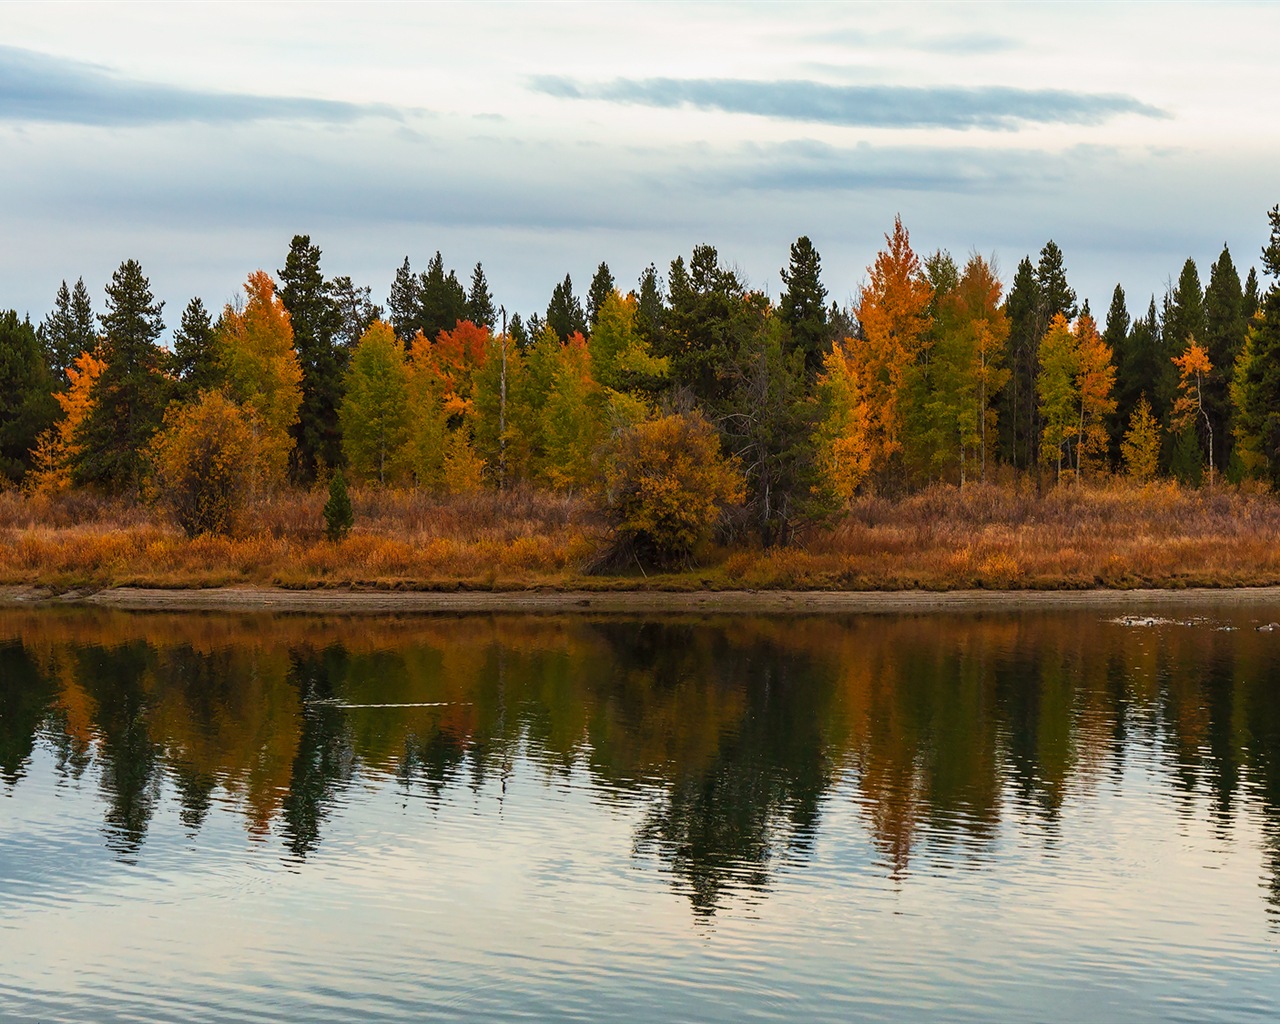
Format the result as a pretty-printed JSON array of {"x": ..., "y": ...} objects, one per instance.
[{"x": 1109, "y": 534}]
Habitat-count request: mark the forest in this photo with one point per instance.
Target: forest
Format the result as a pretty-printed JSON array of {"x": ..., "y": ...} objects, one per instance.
[{"x": 942, "y": 430}]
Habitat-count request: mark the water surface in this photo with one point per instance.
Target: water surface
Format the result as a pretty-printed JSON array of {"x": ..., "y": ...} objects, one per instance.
[{"x": 1033, "y": 817}]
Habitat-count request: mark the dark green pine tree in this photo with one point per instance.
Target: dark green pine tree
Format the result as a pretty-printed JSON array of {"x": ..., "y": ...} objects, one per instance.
[
  {"x": 564, "y": 311},
  {"x": 131, "y": 394},
  {"x": 802, "y": 306},
  {"x": 356, "y": 312},
  {"x": 602, "y": 286},
  {"x": 317, "y": 438},
  {"x": 1116, "y": 336},
  {"x": 404, "y": 305},
  {"x": 1259, "y": 414},
  {"x": 518, "y": 332},
  {"x": 480, "y": 309},
  {"x": 1182, "y": 318},
  {"x": 27, "y": 407},
  {"x": 68, "y": 330},
  {"x": 1018, "y": 418},
  {"x": 651, "y": 308},
  {"x": 1056, "y": 296},
  {"x": 1224, "y": 334},
  {"x": 1251, "y": 302},
  {"x": 444, "y": 302},
  {"x": 194, "y": 360}
]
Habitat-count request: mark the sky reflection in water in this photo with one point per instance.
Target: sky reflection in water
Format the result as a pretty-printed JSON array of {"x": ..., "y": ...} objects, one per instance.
[{"x": 1040, "y": 817}]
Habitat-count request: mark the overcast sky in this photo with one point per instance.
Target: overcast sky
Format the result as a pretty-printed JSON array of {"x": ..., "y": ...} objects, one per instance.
[{"x": 541, "y": 140}]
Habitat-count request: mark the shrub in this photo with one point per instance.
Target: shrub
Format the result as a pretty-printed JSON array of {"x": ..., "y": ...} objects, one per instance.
[
  {"x": 338, "y": 515},
  {"x": 667, "y": 484},
  {"x": 205, "y": 462}
]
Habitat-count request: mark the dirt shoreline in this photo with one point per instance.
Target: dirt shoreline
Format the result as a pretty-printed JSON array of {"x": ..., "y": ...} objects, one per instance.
[{"x": 375, "y": 602}]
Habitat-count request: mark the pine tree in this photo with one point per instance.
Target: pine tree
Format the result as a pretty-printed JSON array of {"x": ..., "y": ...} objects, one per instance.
[
  {"x": 194, "y": 359},
  {"x": 338, "y": 514},
  {"x": 442, "y": 298},
  {"x": 480, "y": 309},
  {"x": 1250, "y": 303},
  {"x": 601, "y": 288},
  {"x": 1256, "y": 389},
  {"x": 355, "y": 312},
  {"x": 1115, "y": 335},
  {"x": 1225, "y": 326},
  {"x": 1018, "y": 416},
  {"x": 404, "y": 305},
  {"x": 516, "y": 329},
  {"x": 68, "y": 330},
  {"x": 802, "y": 306},
  {"x": 1056, "y": 296},
  {"x": 131, "y": 394},
  {"x": 27, "y": 407},
  {"x": 651, "y": 307},
  {"x": 314, "y": 318},
  {"x": 564, "y": 311}
]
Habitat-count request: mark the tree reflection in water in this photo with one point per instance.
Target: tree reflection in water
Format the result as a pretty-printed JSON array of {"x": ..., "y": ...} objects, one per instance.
[{"x": 725, "y": 735}]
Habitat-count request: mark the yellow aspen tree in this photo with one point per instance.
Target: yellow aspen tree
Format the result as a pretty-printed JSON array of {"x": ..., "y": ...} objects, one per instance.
[
  {"x": 1188, "y": 408},
  {"x": 58, "y": 446},
  {"x": 1095, "y": 380},
  {"x": 893, "y": 313},
  {"x": 843, "y": 438},
  {"x": 573, "y": 424},
  {"x": 375, "y": 409},
  {"x": 255, "y": 352},
  {"x": 1140, "y": 448},
  {"x": 1057, "y": 391}
]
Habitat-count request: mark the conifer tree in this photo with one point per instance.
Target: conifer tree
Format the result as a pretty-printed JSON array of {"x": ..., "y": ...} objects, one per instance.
[
  {"x": 314, "y": 319},
  {"x": 1225, "y": 326},
  {"x": 404, "y": 305},
  {"x": 1115, "y": 334},
  {"x": 1251, "y": 302},
  {"x": 1018, "y": 423},
  {"x": 443, "y": 302},
  {"x": 68, "y": 330},
  {"x": 564, "y": 311},
  {"x": 517, "y": 331},
  {"x": 131, "y": 394},
  {"x": 355, "y": 311},
  {"x": 601, "y": 288},
  {"x": 1056, "y": 296},
  {"x": 27, "y": 407},
  {"x": 480, "y": 309},
  {"x": 1256, "y": 389},
  {"x": 802, "y": 306},
  {"x": 194, "y": 360},
  {"x": 651, "y": 308}
]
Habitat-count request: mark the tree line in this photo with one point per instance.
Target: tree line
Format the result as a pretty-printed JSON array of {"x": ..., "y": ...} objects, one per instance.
[{"x": 689, "y": 387}]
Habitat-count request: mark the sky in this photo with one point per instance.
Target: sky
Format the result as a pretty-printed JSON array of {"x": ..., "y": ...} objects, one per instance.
[{"x": 543, "y": 139}]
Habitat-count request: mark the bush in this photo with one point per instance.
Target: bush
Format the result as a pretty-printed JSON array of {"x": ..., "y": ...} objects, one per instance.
[
  {"x": 338, "y": 515},
  {"x": 205, "y": 464},
  {"x": 667, "y": 484}
]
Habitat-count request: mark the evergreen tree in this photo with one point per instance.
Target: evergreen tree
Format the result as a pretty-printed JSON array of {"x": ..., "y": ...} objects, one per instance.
[
  {"x": 1257, "y": 384},
  {"x": 68, "y": 330},
  {"x": 314, "y": 317},
  {"x": 1115, "y": 335},
  {"x": 601, "y": 288},
  {"x": 1019, "y": 422},
  {"x": 1224, "y": 332},
  {"x": 480, "y": 309},
  {"x": 27, "y": 406},
  {"x": 1056, "y": 296},
  {"x": 355, "y": 313},
  {"x": 194, "y": 360},
  {"x": 516, "y": 329},
  {"x": 1184, "y": 310},
  {"x": 802, "y": 306},
  {"x": 1251, "y": 302},
  {"x": 564, "y": 311},
  {"x": 131, "y": 394},
  {"x": 651, "y": 307},
  {"x": 338, "y": 514},
  {"x": 442, "y": 298},
  {"x": 404, "y": 304}
]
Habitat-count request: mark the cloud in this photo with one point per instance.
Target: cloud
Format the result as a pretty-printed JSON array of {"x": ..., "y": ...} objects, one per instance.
[
  {"x": 40, "y": 88},
  {"x": 957, "y": 43},
  {"x": 863, "y": 106}
]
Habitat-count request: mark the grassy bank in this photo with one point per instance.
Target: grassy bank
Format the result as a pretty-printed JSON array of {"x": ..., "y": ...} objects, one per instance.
[{"x": 1110, "y": 535}]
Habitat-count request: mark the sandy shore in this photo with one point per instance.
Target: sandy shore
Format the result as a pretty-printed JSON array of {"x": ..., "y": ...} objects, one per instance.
[{"x": 373, "y": 602}]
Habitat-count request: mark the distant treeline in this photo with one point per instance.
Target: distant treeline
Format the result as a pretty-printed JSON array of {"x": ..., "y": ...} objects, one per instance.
[{"x": 936, "y": 372}]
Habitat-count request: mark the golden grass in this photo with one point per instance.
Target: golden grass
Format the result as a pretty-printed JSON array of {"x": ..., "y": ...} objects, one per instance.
[{"x": 1110, "y": 534}]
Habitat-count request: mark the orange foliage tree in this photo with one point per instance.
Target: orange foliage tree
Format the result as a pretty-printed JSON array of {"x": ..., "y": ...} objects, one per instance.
[
  {"x": 842, "y": 438},
  {"x": 256, "y": 356},
  {"x": 893, "y": 312},
  {"x": 1193, "y": 369},
  {"x": 1095, "y": 379},
  {"x": 57, "y": 447}
]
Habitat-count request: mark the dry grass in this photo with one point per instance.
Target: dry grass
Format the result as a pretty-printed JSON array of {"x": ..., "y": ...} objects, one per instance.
[{"x": 1113, "y": 534}]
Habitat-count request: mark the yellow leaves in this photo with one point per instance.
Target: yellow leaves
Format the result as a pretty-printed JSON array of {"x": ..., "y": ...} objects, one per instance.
[
  {"x": 1140, "y": 448},
  {"x": 843, "y": 437},
  {"x": 1193, "y": 367},
  {"x": 255, "y": 351}
]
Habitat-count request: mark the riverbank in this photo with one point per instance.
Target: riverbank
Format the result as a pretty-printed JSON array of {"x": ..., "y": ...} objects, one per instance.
[{"x": 640, "y": 602}]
